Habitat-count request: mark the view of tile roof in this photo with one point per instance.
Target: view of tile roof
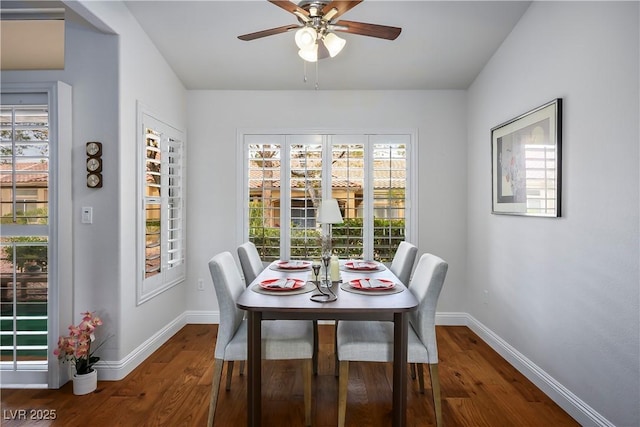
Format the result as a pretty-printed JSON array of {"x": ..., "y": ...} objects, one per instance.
[
  {"x": 27, "y": 172},
  {"x": 386, "y": 174}
]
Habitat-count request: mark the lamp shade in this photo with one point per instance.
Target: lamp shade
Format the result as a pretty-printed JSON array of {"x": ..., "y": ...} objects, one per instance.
[
  {"x": 306, "y": 37},
  {"x": 309, "y": 54},
  {"x": 334, "y": 44},
  {"x": 329, "y": 212}
]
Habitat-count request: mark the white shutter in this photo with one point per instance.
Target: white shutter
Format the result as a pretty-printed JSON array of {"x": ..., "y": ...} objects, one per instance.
[{"x": 162, "y": 224}]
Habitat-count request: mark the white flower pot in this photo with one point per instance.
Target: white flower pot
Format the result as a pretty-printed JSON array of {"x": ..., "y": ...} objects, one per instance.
[{"x": 85, "y": 384}]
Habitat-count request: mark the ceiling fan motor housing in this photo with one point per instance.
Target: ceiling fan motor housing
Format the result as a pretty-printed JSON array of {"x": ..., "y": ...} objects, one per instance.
[
  {"x": 320, "y": 16},
  {"x": 308, "y": 4}
]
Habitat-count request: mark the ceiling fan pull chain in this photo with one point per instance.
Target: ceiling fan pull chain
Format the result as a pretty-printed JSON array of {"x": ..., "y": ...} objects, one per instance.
[
  {"x": 317, "y": 75},
  {"x": 304, "y": 63}
]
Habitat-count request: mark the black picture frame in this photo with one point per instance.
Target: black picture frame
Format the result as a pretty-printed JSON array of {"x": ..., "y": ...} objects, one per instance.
[{"x": 526, "y": 163}]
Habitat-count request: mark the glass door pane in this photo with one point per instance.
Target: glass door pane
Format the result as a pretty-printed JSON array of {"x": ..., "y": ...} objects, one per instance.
[
  {"x": 24, "y": 206},
  {"x": 263, "y": 161},
  {"x": 389, "y": 195},
  {"x": 305, "y": 194},
  {"x": 347, "y": 187}
]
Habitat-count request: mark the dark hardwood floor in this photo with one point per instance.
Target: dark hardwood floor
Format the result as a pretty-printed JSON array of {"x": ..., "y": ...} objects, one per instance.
[{"x": 171, "y": 388}]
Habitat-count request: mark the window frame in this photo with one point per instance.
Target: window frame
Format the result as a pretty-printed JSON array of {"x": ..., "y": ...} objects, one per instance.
[
  {"x": 283, "y": 136},
  {"x": 171, "y": 273}
]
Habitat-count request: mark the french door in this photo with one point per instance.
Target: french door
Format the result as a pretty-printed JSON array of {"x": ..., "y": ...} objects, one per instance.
[
  {"x": 287, "y": 175},
  {"x": 28, "y": 212}
]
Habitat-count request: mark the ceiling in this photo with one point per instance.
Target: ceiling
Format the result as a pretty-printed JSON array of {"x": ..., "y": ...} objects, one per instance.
[{"x": 443, "y": 44}]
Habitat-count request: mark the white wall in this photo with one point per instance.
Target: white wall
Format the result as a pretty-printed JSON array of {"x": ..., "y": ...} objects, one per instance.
[
  {"x": 564, "y": 292},
  {"x": 143, "y": 76},
  {"x": 215, "y": 116}
]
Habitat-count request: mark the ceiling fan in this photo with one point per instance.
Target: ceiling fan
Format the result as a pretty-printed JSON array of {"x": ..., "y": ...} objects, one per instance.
[{"x": 317, "y": 22}]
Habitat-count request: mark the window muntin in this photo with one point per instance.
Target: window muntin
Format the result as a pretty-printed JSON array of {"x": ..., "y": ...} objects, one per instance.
[{"x": 367, "y": 174}]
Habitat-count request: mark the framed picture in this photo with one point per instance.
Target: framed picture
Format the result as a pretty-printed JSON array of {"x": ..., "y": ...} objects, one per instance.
[{"x": 526, "y": 163}]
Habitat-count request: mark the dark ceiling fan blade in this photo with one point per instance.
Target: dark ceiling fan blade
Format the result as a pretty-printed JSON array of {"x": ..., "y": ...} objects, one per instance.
[
  {"x": 291, "y": 8},
  {"x": 269, "y": 32},
  {"x": 364, "y": 29},
  {"x": 341, "y": 6}
]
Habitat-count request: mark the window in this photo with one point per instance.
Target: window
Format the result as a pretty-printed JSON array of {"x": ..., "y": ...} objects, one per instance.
[
  {"x": 24, "y": 166},
  {"x": 25, "y": 199},
  {"x": 287, "y": 176},
  {"x": 161, "y": 248}
]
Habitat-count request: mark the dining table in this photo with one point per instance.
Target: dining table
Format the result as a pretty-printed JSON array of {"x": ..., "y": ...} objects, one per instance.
[{"x": 365, "y": 290}]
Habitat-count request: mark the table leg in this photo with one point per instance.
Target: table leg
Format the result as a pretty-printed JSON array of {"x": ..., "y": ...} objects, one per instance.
[
  {"x": 254, "y": 373},
  {"x": 400, "y": 338}
]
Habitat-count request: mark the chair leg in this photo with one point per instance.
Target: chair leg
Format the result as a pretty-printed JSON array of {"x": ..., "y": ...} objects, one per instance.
[
  {"x": 342, "y": 392},
  {"x": 420, "y": 376},
  {"x": 412, "y": 370},
  {"x": 435, "y": 387},
  {"x": 215, "y": 388},
  {"x": 241, "y": 367},
  {"x": 315, "y": 347},
  {"x": 306, "y": 374},
  {"x": 229, "y": 374}
]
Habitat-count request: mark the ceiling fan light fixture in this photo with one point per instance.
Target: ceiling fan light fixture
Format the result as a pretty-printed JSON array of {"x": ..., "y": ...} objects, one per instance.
[
  {"x": 309, "y": 54},
  {"x": 333, "y": 43},
  {"x": 306, "y": 37}
]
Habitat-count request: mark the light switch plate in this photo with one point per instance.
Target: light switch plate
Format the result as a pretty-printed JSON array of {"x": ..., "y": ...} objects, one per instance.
[{"x": 87, "y": 215}]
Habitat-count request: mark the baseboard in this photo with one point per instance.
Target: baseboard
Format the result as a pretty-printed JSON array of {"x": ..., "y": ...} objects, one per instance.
[
  {"x": 574, "y": 406},
  {"x": 117, "y": 370},
  {"x": 452, "y": 319},
  {"x": 202, "y": 317}
]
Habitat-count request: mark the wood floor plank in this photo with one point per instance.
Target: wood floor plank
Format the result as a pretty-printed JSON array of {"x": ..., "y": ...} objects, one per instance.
[{"x": 172, "y": 388}]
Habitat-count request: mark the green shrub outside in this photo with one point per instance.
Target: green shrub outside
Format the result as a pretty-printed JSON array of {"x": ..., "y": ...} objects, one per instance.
[
  {"x": 36, "y": 252},
  {"x": 346, "y": 242}
]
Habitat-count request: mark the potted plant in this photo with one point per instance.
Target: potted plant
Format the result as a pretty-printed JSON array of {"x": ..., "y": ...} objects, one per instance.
[{"x": 76, "y": 349}]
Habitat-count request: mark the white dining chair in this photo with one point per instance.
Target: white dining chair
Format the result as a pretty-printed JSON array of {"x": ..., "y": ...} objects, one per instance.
[
  {"x": 250, "y": 261},
  {"x": 373, "y": 341},
  {"x": 281, "y": 339},
  {"x": 403, "y": 260},
  {"x": 401, "y": 266},
  {"x": 252, "y": 266}
]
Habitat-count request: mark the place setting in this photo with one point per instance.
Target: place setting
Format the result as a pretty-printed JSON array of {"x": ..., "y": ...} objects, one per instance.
[
  {"x": 362, "y": 266},
  {"x": 291, "y": 265},
  {"x": 283, "y": 286},
  {"x": 371, "y": 286}
]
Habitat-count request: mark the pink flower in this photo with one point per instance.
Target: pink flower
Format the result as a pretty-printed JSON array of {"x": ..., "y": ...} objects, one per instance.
[{"x": 76, "y": 348}]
